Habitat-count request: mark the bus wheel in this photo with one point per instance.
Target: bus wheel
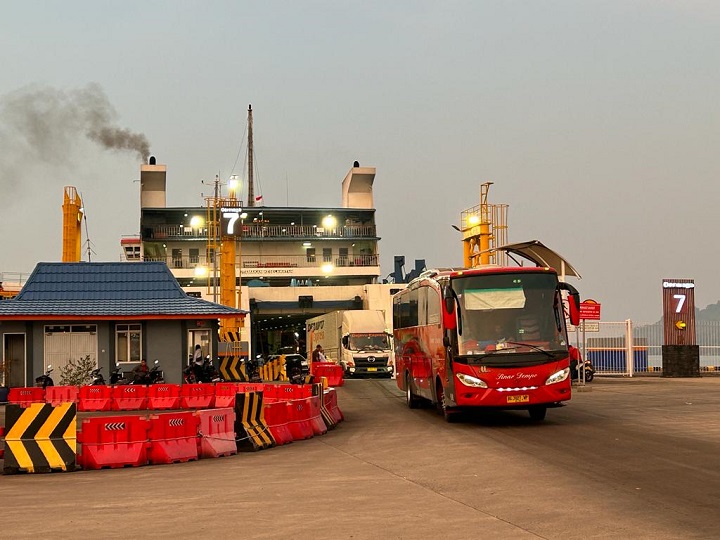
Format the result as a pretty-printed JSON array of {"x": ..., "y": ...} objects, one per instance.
[
  {"x": 412, "y": 400},
  {"x": 450, "y": 416},
  {"x": 537, "y": 414}
]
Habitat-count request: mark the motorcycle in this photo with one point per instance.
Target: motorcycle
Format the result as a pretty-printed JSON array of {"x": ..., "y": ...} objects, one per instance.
[
  {"x": 589, "y": 371},
  {"x": 154, "y": 376},
  {"x": 189, "y": 374},
  {"x": 294, "y": 370},
  {"x": 45, "y": 380},
  {"x": 252, "y": 368},
  {"x": 117, "y": 376},
  {"x": 97, "y": 377},
  {"x": 207, "y": 372}
]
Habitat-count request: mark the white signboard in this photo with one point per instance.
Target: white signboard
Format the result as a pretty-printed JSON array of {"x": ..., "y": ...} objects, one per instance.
[{"x": 588, "y": 326}]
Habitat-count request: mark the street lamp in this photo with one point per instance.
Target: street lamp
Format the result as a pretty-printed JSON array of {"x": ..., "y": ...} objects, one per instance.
[{"x": 233, "y": 186}]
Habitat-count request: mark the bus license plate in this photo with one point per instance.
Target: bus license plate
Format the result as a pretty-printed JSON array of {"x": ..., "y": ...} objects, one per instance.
[
  {"x": 524, "y": 398},
  {"x": 372, "y": 369}
]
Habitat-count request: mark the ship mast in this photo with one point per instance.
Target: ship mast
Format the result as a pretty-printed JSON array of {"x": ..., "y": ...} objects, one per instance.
[{"x": 251, "y": 187}]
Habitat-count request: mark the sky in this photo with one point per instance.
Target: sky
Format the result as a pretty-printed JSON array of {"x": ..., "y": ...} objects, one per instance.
[{"x": 598, "y": 123}]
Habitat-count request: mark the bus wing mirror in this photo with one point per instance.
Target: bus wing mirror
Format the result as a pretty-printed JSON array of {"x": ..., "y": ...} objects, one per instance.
[
  {"x": 573, "y": 299},
  {"x": 449, "y": 321}
]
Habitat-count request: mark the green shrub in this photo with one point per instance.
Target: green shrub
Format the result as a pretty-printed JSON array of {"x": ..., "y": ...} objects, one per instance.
[{"x": 77, "y": 373}]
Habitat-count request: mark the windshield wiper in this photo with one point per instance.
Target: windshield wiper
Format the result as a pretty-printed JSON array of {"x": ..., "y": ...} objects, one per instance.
[{"x": 531, "y": 346}]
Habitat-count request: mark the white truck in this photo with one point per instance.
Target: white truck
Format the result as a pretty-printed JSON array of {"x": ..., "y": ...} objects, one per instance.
[{"x": 358, "y": 340}]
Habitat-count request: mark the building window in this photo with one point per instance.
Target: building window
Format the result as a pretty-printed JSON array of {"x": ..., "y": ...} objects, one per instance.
[
  {"x": 310, "y": 254},
  {"x": 177, "y": 258},
  {"x": 194, "y": 255},
  {"x": 342, "y": 257},
  {"x": 327, "y": 254},
  {"x": 128, "y": 342}
]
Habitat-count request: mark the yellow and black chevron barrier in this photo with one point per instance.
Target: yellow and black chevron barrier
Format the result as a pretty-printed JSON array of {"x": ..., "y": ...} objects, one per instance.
[
  {"x": 229, "y": 336},
  {"x": 40, "y": 438},
  {"x": 272, "y": 370},
  {"x": 319, "y": 390},
  {"x": 251, "y": 431},
  {"x": 232, "y": 369}
]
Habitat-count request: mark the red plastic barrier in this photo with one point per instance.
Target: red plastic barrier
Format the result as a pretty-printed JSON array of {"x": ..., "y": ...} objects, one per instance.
[
  {"x": 216, "y": 435},
  {"x": 95, "y": 398},
  {"x": 277, "y": 418},
  {"x": 24, "y": 396},
  {"x": 197, "y": 396},
  {"x": 112, "y": 442},
  {"x": 55, "y": 395},
  {"x": 225, "y": 394},
  {"x": 332, "y": 405},
  {"x": 173, "y": 437},
  {"x": 243, "y": 388},
  {"x": 163, "y": 396},
  {"x": 316, "y": 421},
  {"x": 287, "y": 392},
  {"x": 129, "y": 397},
  {"x": 331, "y": 371},
  {"x": 300, "y": 424}
]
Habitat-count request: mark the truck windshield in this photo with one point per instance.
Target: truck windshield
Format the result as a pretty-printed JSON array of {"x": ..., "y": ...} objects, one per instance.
[
  {"x": 369, "y": 342},
  {"x": 509, "y": 313}
]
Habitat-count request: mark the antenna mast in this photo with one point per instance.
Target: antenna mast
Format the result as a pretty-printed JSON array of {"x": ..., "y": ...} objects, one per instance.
[{"x": 251, "y": 186}]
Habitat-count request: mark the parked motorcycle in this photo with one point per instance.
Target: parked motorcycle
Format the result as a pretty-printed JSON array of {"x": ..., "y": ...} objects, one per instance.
[
  {"x": 589, "y": 371},
  {"x": 294, "y": 369},
  {"x": 189, "y": 374},
  {"x": 45, "y": 380},
  {"x": 252, "y": 368},
  {"x": 97, "y": 377},
  {"x": 117, "y": 376},
  {"x": 154, "y": 376}
]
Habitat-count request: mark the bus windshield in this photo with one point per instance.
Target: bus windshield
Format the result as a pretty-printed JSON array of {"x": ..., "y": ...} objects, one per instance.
[
  {"x": 369, "y": 342},
  {"x": 509, "y": 313}
]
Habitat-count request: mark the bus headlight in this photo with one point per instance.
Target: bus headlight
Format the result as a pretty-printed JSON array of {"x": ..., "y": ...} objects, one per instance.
[
  {"x": 560, "y": 376},
  {"x": 469, "y": 380}
]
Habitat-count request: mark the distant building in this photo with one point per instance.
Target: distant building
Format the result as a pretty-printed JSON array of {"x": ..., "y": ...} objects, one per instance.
[{"x": 292, "y": 263}]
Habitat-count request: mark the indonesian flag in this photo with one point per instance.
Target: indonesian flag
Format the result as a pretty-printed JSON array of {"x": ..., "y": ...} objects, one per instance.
[{"x": 258, "y": 199}]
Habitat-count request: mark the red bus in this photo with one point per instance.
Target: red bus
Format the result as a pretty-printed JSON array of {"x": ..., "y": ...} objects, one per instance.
[{"x": 484, "y": 337}]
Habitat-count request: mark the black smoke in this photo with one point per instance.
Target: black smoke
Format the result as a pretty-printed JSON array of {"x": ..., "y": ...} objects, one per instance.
[{"x": 45, "y": 123}]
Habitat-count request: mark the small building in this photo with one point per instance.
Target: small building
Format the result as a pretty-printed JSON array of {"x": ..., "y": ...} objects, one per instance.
[{"x": 112, "y": 312}]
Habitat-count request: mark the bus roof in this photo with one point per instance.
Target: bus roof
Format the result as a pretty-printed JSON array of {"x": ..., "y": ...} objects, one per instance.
[{"x": 435, "y": 273}]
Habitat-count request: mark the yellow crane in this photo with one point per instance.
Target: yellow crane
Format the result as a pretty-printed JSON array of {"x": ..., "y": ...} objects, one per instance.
[
  {"x": 484, "y": 227},
  {"x": 72, "y": 225}
]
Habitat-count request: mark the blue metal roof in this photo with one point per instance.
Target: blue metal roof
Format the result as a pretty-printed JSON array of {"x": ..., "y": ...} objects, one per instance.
[{"x": 119, "y": 289}]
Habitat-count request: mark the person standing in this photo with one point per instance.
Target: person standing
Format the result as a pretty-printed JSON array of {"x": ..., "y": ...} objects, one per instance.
[
  {"x": 198, "y": 363},
  {"x": 318, "y": 355}
]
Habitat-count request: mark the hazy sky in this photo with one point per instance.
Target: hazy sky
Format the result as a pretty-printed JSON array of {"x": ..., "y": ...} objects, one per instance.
[{"x": 597, "y": 121}]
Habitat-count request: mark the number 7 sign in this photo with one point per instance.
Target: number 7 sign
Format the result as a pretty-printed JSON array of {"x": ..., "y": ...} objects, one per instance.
[{"x": 679, "y": 311}]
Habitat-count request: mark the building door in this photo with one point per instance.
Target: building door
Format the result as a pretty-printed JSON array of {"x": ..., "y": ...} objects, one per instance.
[
  {"x": 13, "y": 361},
  {"x": 199, "y": 337},
  {"x": 65, "y": 343}
]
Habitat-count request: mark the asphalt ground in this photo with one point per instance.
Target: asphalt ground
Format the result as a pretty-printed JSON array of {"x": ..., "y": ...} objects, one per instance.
[{"x": 626, "y": 458}]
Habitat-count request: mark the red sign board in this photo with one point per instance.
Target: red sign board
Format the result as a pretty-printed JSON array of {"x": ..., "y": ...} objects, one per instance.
[{"x": 590, "y": 309}]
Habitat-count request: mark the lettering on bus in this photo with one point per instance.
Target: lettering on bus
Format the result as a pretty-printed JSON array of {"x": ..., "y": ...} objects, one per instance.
[{"x": 519, "y": 376}]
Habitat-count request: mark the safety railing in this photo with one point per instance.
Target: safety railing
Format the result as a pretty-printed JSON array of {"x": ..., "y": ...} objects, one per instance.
[
  {"x": 271, "y": 261},
  {"x": 629, "y": 348},
  {"x": 252, "y": 231}
]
